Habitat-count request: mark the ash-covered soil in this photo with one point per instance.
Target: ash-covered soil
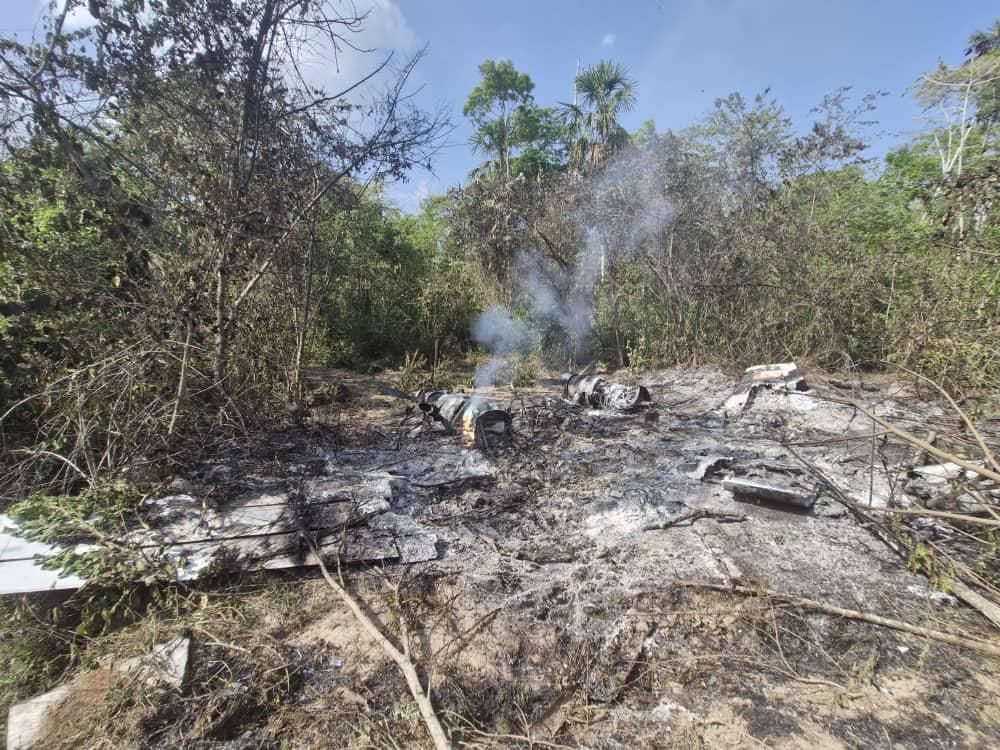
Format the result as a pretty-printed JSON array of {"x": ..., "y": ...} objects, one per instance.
[{"x": 551, "y": 618}]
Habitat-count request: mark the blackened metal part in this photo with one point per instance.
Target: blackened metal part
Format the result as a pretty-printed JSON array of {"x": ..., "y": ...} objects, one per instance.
[
  {"x": 784, "y": 376},
  {"x": 477, "y": 417},
  {"x": 624, "y": 397},
  {"x": 761, "y": 490},
  {"x": 705, "y": 467},
  {"x": 597, "y": 393}
]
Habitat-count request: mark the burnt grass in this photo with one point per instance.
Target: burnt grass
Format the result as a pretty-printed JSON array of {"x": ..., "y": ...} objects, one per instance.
[{"x": 550, "y": 618}]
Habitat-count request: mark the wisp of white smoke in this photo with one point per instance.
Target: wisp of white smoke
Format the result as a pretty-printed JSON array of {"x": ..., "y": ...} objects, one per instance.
[{"x": 565, "y": 296}]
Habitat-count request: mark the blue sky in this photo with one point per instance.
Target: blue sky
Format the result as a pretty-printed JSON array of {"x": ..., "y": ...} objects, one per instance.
[{"x": 683, "y": 53}]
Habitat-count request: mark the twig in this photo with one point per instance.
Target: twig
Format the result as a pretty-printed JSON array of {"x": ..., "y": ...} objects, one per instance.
[
  {"x": 694, "y": 515},
  {"x": 990, "y": 458},
  {"x": 528, "y": 738},
  {"x": 530, "y": 741},
  {"x": 402, "y": 660},
  {"x": 984, "y": 606},
  {"x": 65, "y": 460},
  {"x": 831, "y": 441},
  {"x": 181, "y": 382},
  {"x": 985, "y": 647},
  {"x": 976, "y": 520},
  {"x": 923, "y": 444}
]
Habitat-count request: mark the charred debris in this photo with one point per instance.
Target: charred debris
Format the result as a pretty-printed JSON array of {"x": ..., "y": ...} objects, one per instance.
[
  {"x": 367, "y": 504},
  {"x": 481, "y": 420},
  {"x": 661, "y": 557},
  {"x": 588, "y": 389}
]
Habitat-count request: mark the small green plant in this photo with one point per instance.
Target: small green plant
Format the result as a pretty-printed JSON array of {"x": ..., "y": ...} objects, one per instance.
[
  {"x": 411, "y": 372},
  {"x": 524, "y": 371},
  {"x": 86, "y": 531},
  {"x": 923, "y": 560},
  {"x": 639, "y": 353}
]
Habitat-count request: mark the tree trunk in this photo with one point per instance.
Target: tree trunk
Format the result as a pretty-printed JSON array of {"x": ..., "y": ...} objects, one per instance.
[
  {"x": 303, "y": 327},
  {"x": 619, "y": 349},
  {"x": 220, "y": 365}
]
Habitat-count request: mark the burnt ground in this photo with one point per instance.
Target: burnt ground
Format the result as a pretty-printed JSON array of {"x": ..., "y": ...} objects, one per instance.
[{"x": 550, "y": 618}]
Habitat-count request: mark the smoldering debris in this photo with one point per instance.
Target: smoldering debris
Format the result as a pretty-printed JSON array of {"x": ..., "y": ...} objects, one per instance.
[
  {"x": 585, "y": 389},
  {"x": 480, "y": 420},
  {"x": 586, "y": 538}
]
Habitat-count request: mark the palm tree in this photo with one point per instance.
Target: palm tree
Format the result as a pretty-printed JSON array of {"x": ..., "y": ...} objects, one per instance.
[{"x": 593, "y": 129}]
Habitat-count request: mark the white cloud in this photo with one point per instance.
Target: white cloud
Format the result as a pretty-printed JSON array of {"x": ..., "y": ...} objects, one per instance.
[
  {"x": 76, "y": 19},
  {"x": 385, "y": 30},
  {"x": 608, "y": 40},
  {"x": 408, "y": 196}
]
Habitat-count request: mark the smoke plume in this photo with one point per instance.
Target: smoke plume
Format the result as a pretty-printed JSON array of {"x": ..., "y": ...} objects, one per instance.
[{"x": 626, "y": 211}]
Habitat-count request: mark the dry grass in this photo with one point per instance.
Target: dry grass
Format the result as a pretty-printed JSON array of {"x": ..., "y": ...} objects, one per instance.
[{"x": 275, "y": 664}]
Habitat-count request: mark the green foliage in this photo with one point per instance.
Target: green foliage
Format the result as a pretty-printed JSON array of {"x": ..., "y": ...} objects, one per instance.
[
  {"x": 84, "y": 526},
  {"x": 64, "y": 279},
  {"x": 87, "y": 530},
  {"x": 502, "y": 87},
  {"x": 594, "y": 131},
  {"x": 538, "y": 136},
  {"x": 395, "y": 285},
  {"x": 986, "y": 44},
  {"x": 644, "y": 136},
  {"x": 412, "y": 373},
  {"x": 922, "y": 559},
  {"x": 451, "y": 286},
  {"x": 741, "y": 240},
  {"x": 524, "y": 370},
  {"x": 518, "y": 136},
  {"x": 751, "y": 137}
]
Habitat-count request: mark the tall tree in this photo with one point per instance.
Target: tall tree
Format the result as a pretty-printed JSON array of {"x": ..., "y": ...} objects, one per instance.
[
  {"x": 594, "y": 128},
  {"x": 541, "y": 148},
  {"x": 493, "y": 108},
  {"x": 962, "y": 106},
  {"x": 204, "y": 105},
  {"x": 747, "y": 142},
  {"x": 210, "y": 158},
  {"x": 985, "y": 45}
]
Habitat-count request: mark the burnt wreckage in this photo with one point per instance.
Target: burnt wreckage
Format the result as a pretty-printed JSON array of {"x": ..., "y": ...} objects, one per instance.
[
  {"x": 475, "y": 417},
  {"x": 585, "y": 389},
  {"x": 482, "y": 420}
]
